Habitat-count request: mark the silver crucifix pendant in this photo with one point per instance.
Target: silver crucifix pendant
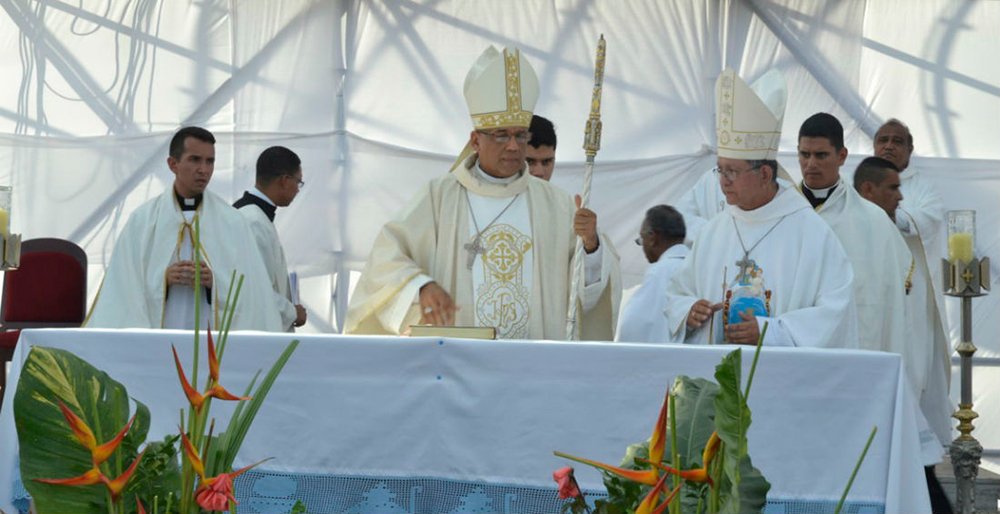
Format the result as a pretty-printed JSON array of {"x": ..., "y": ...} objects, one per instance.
[
  {"x": 746, "y": 265},
  {"x": 473, "y": 248}
]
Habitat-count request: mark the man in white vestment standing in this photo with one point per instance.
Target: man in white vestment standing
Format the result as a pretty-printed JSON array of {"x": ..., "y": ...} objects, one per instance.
[
  {"x": 643, "y": 318},
  {"x": 488, "y": 244},
  {"x": 279, "y": 177},
  {"x": 705, "y": 199},
  {"x": 768, "y": 258},
  {"x": 920, "y": 220},
  {"x": 881, "y": 261},
  {"x": 927, "y": 355},
  {"x": 149, "y": 281}
]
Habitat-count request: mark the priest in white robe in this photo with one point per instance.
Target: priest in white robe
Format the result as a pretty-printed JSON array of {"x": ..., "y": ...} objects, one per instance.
[
  {"x": 278, "y": 180},
  {"x": 149, "y": 281},
  {"x": 920, "y": 220},
  {"x": 768, "y": 251},
  {"x": 703, "y": 201},
  {"x": 643, "y": 317},
  {"x": 880, "y": 258},
  {"x": 488, "y": 244}
]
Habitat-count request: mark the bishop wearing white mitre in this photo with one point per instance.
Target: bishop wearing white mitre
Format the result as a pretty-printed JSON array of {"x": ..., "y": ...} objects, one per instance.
[
  {"x": 768, "y": 258},
  {"x": 488, "y": 244}
]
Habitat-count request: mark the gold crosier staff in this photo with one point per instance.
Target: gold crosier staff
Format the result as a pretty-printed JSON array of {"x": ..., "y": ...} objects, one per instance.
[{"x": 591, "y": 144}]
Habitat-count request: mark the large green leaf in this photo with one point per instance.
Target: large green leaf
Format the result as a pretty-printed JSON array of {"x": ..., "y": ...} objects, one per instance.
[
  {"x": 743, "y": 488},
  {"x": 694, "y": 410},
  {"x": 48, "y": 448},
  {"x": 694, "y": 407}
]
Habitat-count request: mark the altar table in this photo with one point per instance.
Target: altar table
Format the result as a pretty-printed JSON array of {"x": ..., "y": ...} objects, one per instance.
[{"x": 425, "y": 425}]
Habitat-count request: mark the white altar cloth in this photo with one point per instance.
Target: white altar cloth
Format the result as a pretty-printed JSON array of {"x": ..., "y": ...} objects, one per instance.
[{"x": 492, "y": 411}]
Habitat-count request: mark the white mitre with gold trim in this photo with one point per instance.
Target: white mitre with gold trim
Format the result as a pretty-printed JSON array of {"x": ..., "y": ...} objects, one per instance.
[
  {"x": 748, "y": 120},
  {"x": 501, "y": 90}
]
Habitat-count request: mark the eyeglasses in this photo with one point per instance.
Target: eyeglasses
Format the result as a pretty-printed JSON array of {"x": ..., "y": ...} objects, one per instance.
[
  {"x": 638, "y": 240},
  {"x": 502, "y": 138},
  {"x": 297, "y": 180},
  {"x": 731, "y": 174}
]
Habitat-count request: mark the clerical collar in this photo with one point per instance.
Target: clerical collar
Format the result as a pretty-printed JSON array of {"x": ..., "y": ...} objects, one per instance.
[
  {"x": 482, "y": 175},
  {"x": 816, "y": 197},
  {"x": 260, "y": 194},
  {"x": 189, "y": 204},
  {"x": 252, "y": 198}
]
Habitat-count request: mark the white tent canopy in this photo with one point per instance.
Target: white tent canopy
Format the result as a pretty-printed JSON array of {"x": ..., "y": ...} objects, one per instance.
[{"x": 369, "y": 94}]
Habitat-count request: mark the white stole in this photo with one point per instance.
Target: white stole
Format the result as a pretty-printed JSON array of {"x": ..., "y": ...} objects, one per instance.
[{"x": 178, "y": 310}]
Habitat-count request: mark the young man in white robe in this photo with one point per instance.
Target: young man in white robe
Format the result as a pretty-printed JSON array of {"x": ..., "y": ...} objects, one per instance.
[
  {"x": 279, "y": 178},
  {"x": 768, "y": 249},
  {"x": 881, "y": 261},
  {"x": 703, "y": 201},
  {"x": 926, "y": 357},
  {"x": 920, "y": 220},
  {"x": 149, "y": 281},
  {"x": 488, "y": 244},
  {"x": 643, "y": 318}
]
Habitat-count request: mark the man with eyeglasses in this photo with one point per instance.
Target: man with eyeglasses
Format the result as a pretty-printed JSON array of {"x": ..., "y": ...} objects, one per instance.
[
  {"x": 768, "y": 258},
  {"x": 881, "y": 261},
  {"x": 150, "y": 279},
  {"x": 488, "y": 244},
  {"x": 705, "y": 199},
  {"x": 661, "y": 237},
  {"x": 278, "y": 182}
]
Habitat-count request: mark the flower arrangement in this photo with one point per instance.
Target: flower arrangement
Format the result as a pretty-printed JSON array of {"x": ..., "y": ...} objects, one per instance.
[
  {"x": 696, "y": 459},
  {"x": 699, "y": 443},
  {"x": 73, "y": 421}
]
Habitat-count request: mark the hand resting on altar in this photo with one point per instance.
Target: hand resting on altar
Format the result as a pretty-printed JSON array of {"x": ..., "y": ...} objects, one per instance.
[{"x": 436, "y": 306}]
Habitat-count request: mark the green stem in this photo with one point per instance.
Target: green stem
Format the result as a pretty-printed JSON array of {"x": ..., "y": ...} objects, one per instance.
[
  {"x": 753, "y": 367},
  {"x": 854, "y": 473},
  {"x": 675, "y": 456}
]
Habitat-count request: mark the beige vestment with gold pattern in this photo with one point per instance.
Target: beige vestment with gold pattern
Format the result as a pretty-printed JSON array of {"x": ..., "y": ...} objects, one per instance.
[{"x": 429, "y": 236}]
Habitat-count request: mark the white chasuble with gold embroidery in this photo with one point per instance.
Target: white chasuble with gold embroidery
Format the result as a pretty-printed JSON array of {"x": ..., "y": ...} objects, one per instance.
[
  {"x": 519, "y": 283},
  {"x": 501, "y": 273}
]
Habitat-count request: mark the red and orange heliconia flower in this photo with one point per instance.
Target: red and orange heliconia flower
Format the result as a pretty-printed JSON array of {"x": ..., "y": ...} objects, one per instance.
[
  {"x": 214, "y": 390},
  {"x": 657, "y": 445},
  {"x": 701, "y": 474},
  {"x": 98, "y": 454},
  {"x": 213, "y": 493}
]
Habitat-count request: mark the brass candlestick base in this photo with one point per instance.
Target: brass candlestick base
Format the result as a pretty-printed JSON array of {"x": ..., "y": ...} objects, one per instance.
[
  {"x": 11, "y": 252},
  {"x": 966, "y": 280}
]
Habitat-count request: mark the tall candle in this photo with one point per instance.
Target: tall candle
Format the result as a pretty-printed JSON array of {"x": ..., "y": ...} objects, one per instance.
[
  {"x": 960, "y": 247},
  {"x": 4, "y": 223}
]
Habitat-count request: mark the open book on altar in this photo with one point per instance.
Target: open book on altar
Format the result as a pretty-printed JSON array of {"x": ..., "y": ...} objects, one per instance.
[{"x": 458, "y": 332}]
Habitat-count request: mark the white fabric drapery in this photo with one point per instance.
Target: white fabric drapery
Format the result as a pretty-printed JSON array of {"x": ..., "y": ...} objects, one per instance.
[{"x": 364, "y": 89}]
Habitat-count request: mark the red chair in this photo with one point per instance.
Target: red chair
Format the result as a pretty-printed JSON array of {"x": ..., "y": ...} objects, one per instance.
[{"x": 49, "y": 289}]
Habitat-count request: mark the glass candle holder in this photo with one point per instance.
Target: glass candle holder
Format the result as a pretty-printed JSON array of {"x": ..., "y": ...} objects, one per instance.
[
  {"x": 961, "y": 236},
  {"x": 5, "y": 197}
]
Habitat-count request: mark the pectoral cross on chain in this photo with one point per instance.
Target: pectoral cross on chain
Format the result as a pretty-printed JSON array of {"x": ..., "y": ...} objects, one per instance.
[
  {"x": 475, "y": 247},
  {"x": 746, "y": 265}
]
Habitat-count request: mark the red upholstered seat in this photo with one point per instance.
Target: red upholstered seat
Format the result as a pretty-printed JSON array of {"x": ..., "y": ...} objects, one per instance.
[{"x": 49, "y": 289}]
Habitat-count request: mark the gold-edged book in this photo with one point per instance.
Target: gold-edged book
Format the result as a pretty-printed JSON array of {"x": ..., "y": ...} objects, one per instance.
[{"x": 457, "y": 332}]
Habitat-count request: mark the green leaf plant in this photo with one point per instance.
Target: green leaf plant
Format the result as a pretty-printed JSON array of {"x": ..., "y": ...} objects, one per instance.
[
  {"x": 700, "y": 443},
  {"x": 80, "y": 448}
]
